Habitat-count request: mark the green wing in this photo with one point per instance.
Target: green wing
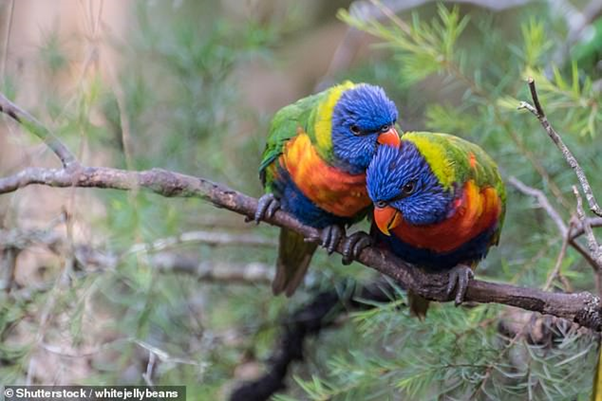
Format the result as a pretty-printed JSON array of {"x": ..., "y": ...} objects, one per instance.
[
  {"x": 284, "y": 126},
  {"x": 294, "y": 254}
]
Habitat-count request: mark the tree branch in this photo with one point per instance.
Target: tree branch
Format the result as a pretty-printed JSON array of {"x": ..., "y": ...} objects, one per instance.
[
  {"x": 592, "y": 243},
  {"x": 545, "y": 204},
  {"x": 538, "y": 112},
  {"x": 582, "y": 308},
  {"x": 249, "y": 273},
  {"x": 202, "y": 237},
  {"x": 38, "y": 129}
]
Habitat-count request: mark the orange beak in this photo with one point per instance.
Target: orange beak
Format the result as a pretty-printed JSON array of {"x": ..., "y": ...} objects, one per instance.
[
  {"x": 386, "y": 218},
  {"x": 390, "y": 137}
]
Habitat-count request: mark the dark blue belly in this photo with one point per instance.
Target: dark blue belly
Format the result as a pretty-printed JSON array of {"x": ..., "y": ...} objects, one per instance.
[{"x": 472, "y": 251}]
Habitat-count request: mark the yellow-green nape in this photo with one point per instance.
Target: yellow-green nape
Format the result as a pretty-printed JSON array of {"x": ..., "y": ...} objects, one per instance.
[
  {"x": 436, "y": 154},
  {"x": 323, "y": 124}
]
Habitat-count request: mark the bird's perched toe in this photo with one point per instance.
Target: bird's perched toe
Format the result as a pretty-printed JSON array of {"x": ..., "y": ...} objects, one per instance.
[
  {"x": 459, "y": 277},
  {"x": 354, "y": 245},
  {"x": 266, "y": 207},
  {"x": 331, "y": 236}
]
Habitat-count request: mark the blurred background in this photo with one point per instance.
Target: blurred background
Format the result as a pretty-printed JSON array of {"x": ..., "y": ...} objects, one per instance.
[{"x": 105, "y": 287}]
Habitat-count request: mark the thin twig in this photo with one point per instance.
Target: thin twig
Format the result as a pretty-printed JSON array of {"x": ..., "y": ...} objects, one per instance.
[
  {"x": 591, "y": 221},
  {"x": 150, "y": 369},
  {"x": 67, "y": 158},
  {"x": 545, "y": 204},
  {"x": 538, "y": 112},
  {"x": 592, "y": 243}
]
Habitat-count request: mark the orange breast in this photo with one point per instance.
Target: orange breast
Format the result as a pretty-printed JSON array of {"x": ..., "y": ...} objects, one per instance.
[
  {"x": 328, "y": 187},
  {"x": 477, "y": 211}
]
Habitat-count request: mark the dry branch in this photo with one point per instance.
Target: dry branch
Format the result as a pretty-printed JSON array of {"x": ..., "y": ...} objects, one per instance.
[
  {"x": 582, "y": 308},
  {"x": 203, "y": 237},
  {"x": 38, "y": 129},
  {"x": 592, "y": 243},
  {"x": 249, "y": 273},
  {"x": 538, "y": 112},
  {"x": 571, "y": 233}
]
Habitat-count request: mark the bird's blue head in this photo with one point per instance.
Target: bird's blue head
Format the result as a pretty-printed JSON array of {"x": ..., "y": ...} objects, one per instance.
[
  {"x": 363, "y": 117},
  {"x": 402, "y": 185}
]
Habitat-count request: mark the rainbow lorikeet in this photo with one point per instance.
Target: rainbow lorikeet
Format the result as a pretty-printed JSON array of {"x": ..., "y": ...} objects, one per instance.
[
  {"x": 314, "y": 168},
  {"x": 439, "y": 203}
]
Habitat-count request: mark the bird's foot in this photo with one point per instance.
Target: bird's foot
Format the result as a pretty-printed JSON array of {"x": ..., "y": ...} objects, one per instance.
[
  {"x": 266, "y": 207},
  {"x": 459, "y": 277},
  {"x": 354, "y": 245},
  {"x": 331, "y": 236}
]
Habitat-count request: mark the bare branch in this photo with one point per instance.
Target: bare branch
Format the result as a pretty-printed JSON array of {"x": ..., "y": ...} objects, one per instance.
[
  {"x": 568, "y": 155},
  {"x": 250, "y": 273},
  {"x": 32, "y": 124},
  {"x": 592, "y": 243},
  {"x": 545, "y": 204},
  {"x": 591, "y": 221},
  {"x": 204, "y": 237},
  {"x": 582, "y": 308}
]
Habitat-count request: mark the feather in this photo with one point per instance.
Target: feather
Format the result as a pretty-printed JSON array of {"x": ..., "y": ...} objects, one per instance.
[{"x": 294, "y": 256}]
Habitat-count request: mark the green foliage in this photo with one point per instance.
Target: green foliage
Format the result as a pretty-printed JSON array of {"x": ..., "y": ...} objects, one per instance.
[
  {"x": 430, "y": 45},
  {"x": 456, "y": 354}
]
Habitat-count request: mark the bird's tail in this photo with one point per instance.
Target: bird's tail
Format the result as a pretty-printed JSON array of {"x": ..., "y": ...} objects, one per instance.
[{"x": 294, "y": 255}]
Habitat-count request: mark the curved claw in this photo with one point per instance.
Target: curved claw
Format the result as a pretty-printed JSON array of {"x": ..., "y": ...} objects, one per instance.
[
  {"x": 459, "y": 277},
  {"x": 331, "y": 236},
  {"x": 272, "y": 208},
  {"x": 266, "y": 207},
  {"x": 354, "y": 245}
]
